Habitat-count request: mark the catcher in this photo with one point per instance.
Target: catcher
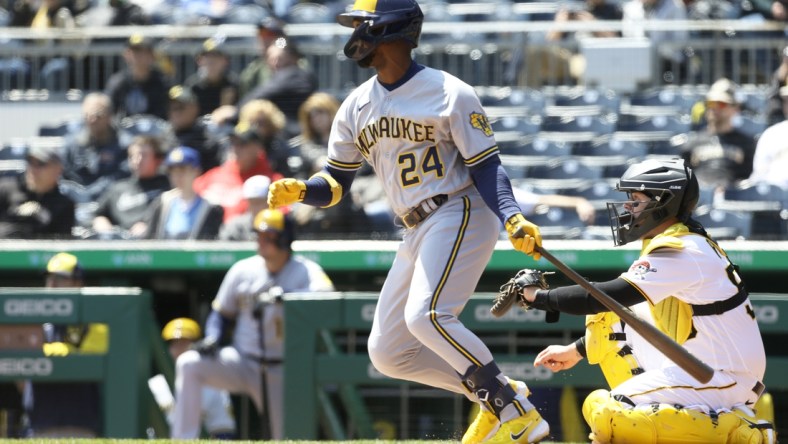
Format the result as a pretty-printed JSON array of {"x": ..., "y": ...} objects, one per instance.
[{"x": 694, "y": 294}]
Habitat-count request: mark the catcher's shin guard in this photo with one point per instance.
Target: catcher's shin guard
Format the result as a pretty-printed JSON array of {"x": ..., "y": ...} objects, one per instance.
[{"x": 613, "y": 422}]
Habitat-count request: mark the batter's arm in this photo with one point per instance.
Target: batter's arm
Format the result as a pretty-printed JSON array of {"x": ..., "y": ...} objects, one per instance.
[
  {"x": 328, "y": 187},
  {"x": 494, "y": 185}
]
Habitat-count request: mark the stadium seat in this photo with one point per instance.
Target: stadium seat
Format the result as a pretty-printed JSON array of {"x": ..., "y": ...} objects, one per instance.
[
  {"x": 668, "y": 98},
  {"x": 557, "y": 222},
  {"x": 660, "y": 123},
  {"x": 593, "y": 125},
  {"x": 747, "y": 196},
  {"x": 599, "y": 193},
  {"x": 523, "y": 100},
  {"x": 725, "y": 225},
  {"x": 753, "y": 126},
  {"x": 602, "y": 100},
  {"x": 522, "y": 125},
  {"x": 603, "y": 150},
  {"x": 12, "y": 157},
  {"x": 566, "y": 169}
]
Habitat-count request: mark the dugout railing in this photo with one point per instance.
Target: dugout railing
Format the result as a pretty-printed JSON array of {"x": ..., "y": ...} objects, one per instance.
[
  {"x": 326, "y": 365},
  {"x": 122, "y": 371}
]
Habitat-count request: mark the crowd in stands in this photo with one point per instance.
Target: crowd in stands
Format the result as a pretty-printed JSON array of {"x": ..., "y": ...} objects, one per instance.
[{"x": 153, "y": 158}]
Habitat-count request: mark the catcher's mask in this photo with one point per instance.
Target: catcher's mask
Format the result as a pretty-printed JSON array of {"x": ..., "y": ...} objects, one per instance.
[
  {"x": 672, "y": 187},
  {"x": 274, "y": 221},
  {"x": 378, "y": 21}
]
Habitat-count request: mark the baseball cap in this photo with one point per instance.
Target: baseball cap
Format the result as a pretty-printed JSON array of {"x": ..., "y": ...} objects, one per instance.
[
  {"x": 181, "y": 328},
  {"x": 183, "y": 155},
  {"x": 183, "y": 94},
  {"x": 271, "y": 24},
  {"x": 65, "y": 265},
  {"x": 45, "y": 153},
  {"x": 723, "y": 90},
  {"x": 244, "y": 132},
  {"x": 214, "y": 45},
  {"x": 139, "y": 41},
  {"x": 256, "y": 187}
]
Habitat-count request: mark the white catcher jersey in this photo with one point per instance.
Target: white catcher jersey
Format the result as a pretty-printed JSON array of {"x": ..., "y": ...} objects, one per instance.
[
  {"x": 245, "y": 281},
  {"x": 730, "y": 341},
  {"x": 419, "y": 138}
]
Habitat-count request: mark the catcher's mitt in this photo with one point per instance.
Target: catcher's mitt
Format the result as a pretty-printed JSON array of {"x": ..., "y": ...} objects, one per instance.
[{"x": 510, "y": 291}]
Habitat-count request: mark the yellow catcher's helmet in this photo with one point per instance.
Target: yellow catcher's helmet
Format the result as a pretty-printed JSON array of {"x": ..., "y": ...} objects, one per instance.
[{"x": 181, "y": 328}]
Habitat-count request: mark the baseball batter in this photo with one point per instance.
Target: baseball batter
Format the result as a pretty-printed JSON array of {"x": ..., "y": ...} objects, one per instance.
[
  {"x": 425, "y": 134},
  {"x": 247, "y": 299},
  {"x": 696, "y": 296}
]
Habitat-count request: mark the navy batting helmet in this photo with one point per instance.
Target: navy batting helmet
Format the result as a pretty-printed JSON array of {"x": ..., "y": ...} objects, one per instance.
[
  {"x": 378, "y": 21},
  {"x": 672, "y": 187}
]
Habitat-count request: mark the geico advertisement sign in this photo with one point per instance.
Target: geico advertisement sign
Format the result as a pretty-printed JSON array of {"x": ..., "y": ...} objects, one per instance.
[
  {"x": 38, "y": 307},
  {"x": 25, "y": 367}
]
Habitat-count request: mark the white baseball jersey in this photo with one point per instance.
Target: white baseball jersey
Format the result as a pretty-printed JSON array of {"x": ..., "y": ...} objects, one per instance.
[
  {"x": 245, "y": 281},
  {"x": 729, "y": 342},
  {"x": 419, "y": 138}
]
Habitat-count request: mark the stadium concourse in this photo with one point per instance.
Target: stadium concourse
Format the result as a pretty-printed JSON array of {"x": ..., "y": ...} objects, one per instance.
[{"x": 569, "y": 116}]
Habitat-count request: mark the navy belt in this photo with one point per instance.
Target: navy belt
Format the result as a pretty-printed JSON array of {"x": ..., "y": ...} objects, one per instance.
[{"x": 421, "y": 211}]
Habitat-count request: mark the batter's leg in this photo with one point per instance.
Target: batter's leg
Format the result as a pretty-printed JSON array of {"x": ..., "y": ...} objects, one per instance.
[{"x": 393, "y": 349}]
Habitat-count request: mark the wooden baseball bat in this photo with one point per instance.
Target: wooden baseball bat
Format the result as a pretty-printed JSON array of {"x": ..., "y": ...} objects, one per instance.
[{"x": 675, "y": 352}]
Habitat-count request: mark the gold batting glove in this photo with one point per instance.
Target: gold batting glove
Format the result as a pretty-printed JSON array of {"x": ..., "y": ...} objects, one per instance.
[
  {"x": 524, "y": 235},
  {"x": 285, "y": 192},
  {"x": 56, "y": 349}
]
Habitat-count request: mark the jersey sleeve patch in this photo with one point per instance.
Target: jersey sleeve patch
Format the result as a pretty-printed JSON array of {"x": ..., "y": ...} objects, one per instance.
[
  {"x": 640, "y": 269},
  {"x": 480, "y": 122}
]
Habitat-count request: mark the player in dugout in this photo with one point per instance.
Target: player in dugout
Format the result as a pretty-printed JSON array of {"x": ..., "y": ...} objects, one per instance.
[
  {"x": 695, "y": 295},
  {"x": 242, "y": 350},
  {"x": 426, "y": 135}
]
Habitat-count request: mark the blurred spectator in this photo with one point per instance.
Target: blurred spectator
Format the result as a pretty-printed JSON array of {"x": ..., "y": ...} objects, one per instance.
[
  {"x": 770, "y": 162},
  {"x": 223, "y": 185},
  {"x": 314, "y": 118},
  {"x": 217, "y": 409},
  {"x": 181, "y": 213},
  {"x": 529, "y": 202},
  {"x": 214, "y": 83},
  {"x": 720, "y": 154},
  {"x": 67, "y": 409},
  {"x": 778, "y": 81},
  {"x": 122, "y": 208},
  {"x": 46, "y": 13},
  {"x": 243, "y": 347},
  {"x": 190, "y": 129},
  {"x": 257, "y": 72},
  {"x": 94, "y": 156},
  {"x": 289, "y": 84},
  {"x": 269, "y": 123},
  {"x": 31, "y": 205},
  {"x": 126, "y": 13},
  {"x": 593, "y": 10},
  {"x": 668, "y": 44},
  {"x": 239, "y": 228},
  {"x": 141, "y": 88}
]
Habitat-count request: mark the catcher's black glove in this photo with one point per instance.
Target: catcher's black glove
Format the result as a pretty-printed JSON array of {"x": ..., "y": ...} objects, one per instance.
[
  {"x": 512, "y": 290},
  {"x": 206, "y": 346}
]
